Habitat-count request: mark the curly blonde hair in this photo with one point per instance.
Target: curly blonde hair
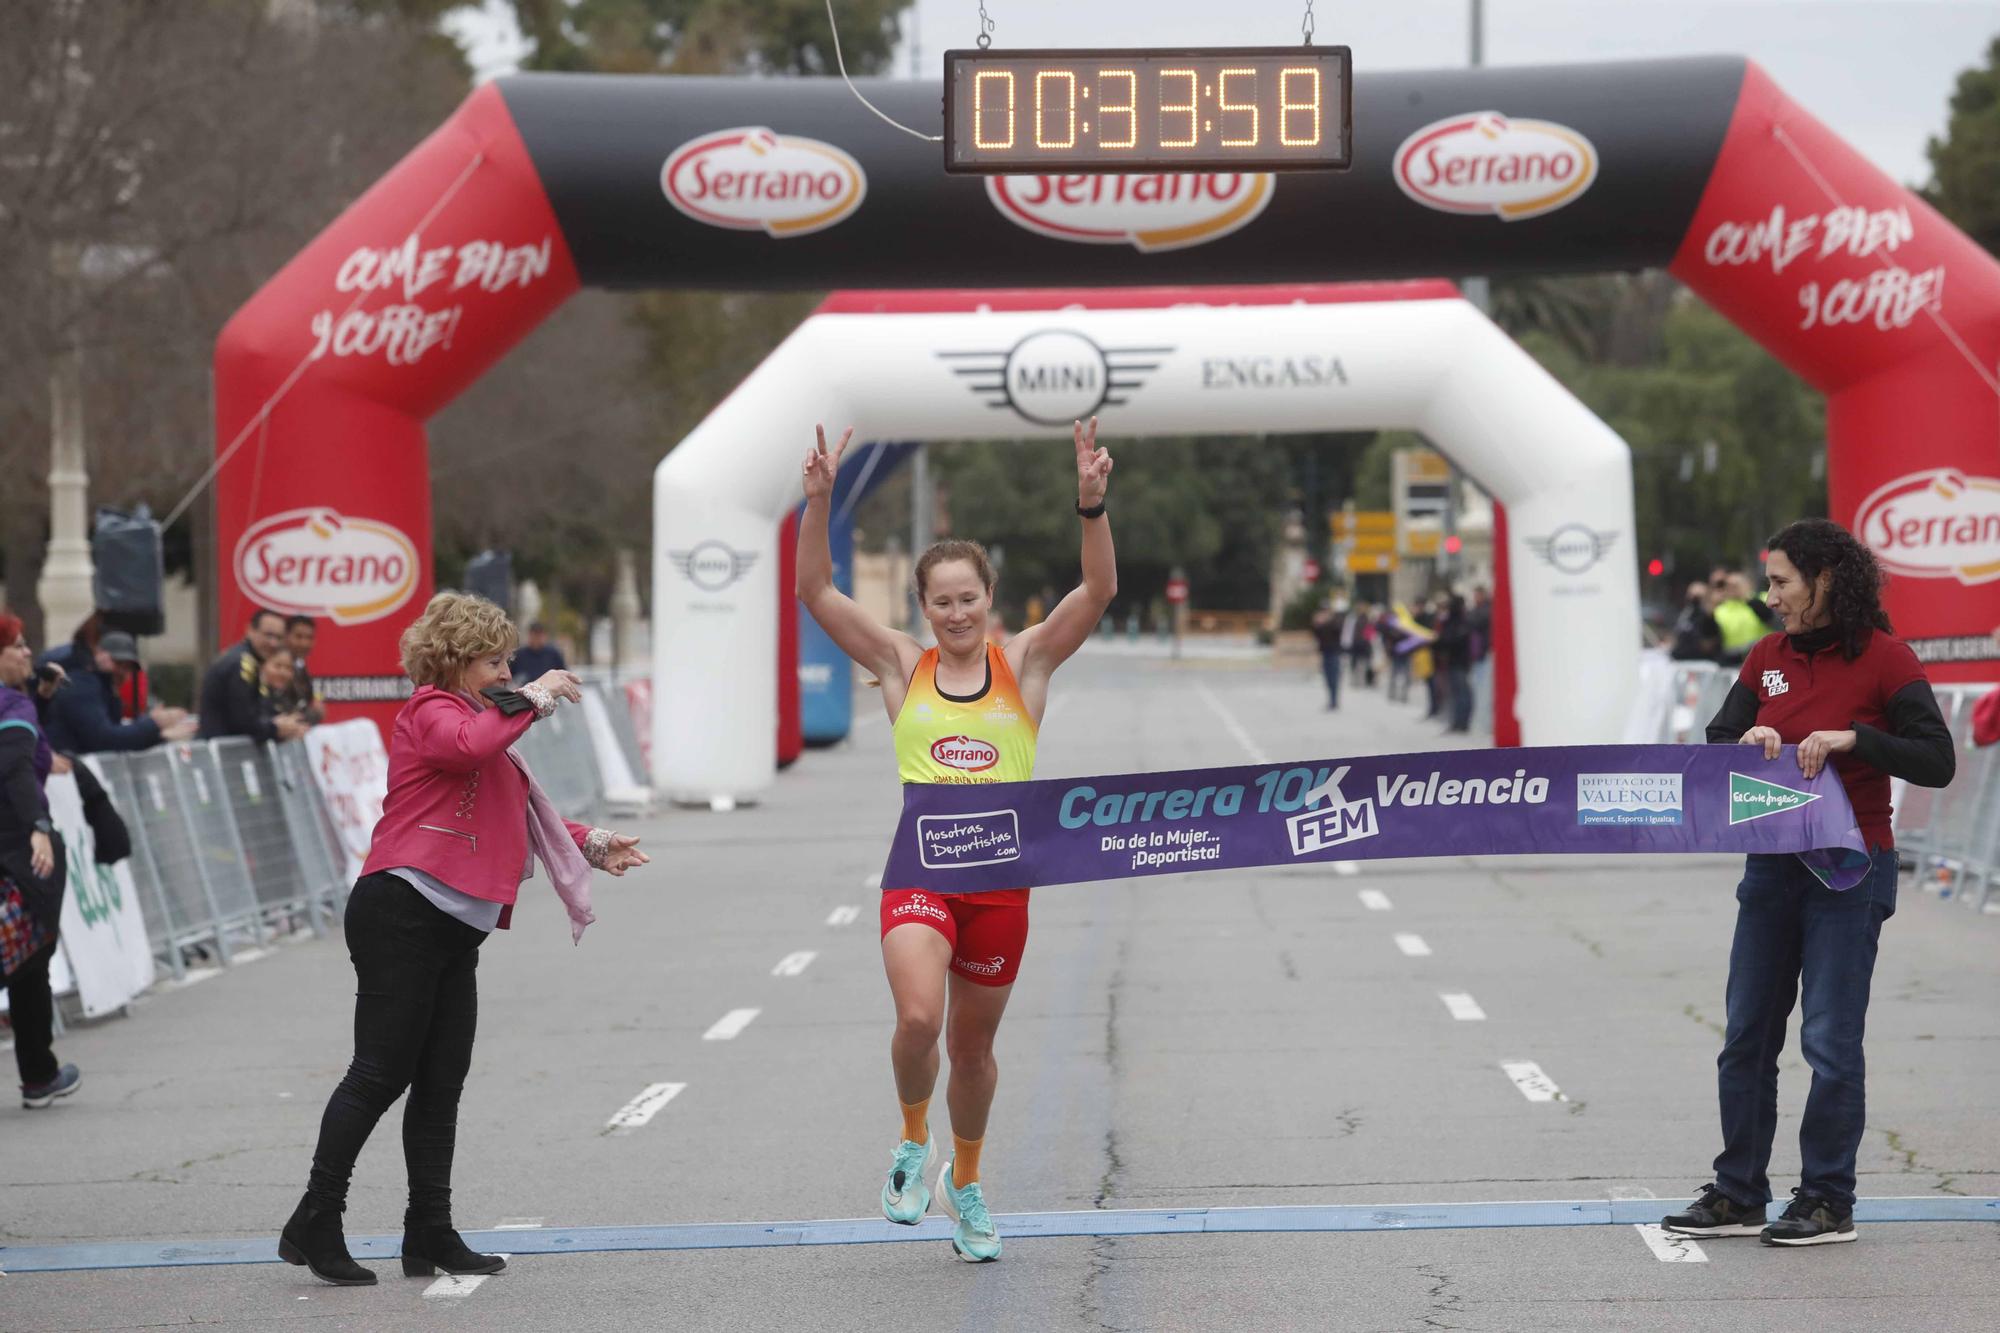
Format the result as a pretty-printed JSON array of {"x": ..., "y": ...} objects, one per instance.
[{"x": 456, "y": 629}]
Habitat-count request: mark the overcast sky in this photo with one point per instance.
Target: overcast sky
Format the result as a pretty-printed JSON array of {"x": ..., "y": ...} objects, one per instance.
[{"x": 1878, "y": 71}]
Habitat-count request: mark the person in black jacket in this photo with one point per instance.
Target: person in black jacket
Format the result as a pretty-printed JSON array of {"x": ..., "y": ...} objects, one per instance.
[
  {"x": 232, "y": 693},
  {"x": 85, "y": 716},
  {"x": 32, "y": 871},
  {"x": 1837, "y": 685}
]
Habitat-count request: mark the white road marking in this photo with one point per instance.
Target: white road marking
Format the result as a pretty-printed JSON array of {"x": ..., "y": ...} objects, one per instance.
[
  {"x": 449, "y": 1287},
  {"x": 794, "y": 963},
  {"x": 1413, "y": 945},
  {"x": 1632, "y": 1192},
  {"x": 643, "y": 1107},
  {"x": 873, "y": 881},
  {"x": 1463, "y": 1007},
  {"x": 1670, "y": 1249},
  {"x": 1375, "y": 900},
  {"x": 1533, "y": 1083},
  {"x": 843, "y": 916},
  {"x": 249, "y": 955},
  {"x": 730, "y": 1025},
  {"x": 1346, "y": 868},
  {"x": 1235, "y": 728},
  {"x": 518, "y": 1223}
]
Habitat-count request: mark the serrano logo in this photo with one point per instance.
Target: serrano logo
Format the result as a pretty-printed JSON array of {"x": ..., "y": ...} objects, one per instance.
[
  {"x": 963, "y": 752},
  {"x": 1938, "y": 524},
  {"x": 1486, "y": 163},
  {"x": 316, "y": 562},
  {"x": 1055, "y": 376},
  {"x": 1149, "y": 213},
  {"x": 750, "y": 179}
]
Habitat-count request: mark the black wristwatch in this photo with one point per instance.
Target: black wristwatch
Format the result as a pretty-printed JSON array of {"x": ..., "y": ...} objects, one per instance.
[{"x": 1095, "y": 511}]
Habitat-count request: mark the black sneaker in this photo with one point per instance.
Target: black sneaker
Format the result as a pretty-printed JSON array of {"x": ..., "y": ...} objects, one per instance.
[
  {"x": 35, "y": 1096},
  {"x": 1715, "y": 1214},
  {"x": 1810, "y": 1220}
]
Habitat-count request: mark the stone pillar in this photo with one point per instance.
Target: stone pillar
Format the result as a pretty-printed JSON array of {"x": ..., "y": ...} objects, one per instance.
[
  {"x": 65, "y": 590},
  {"x": 625, "y": 613}
]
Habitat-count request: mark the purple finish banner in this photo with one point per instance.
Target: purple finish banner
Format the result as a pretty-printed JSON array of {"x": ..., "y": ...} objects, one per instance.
[{"x": 1587, "y": 799}]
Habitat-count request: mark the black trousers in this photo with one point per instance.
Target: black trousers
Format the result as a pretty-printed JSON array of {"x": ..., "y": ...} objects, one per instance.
[
  {"x": 31, "y": 1008},
  {"x": 415, "y": 1008}
]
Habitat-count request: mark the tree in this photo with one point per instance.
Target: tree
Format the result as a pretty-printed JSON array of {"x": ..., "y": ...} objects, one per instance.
[
  {"x": 1965, "y": 163},
  {"x": 707, "y": 36}
]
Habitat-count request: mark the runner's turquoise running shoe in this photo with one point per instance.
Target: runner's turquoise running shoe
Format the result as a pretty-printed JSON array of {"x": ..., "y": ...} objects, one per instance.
[
  {"x": 905, "y": 1197},
  {"x": 975, "y": 1238}
]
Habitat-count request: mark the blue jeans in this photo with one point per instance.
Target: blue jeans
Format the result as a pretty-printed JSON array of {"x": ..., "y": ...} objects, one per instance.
[
  {"x": 1796, "y": 936},
  {"x": 1329, "y": 666}
]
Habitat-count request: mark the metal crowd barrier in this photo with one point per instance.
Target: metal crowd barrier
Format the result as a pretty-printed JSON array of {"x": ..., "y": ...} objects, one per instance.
[{"x": 564, "y": 761}]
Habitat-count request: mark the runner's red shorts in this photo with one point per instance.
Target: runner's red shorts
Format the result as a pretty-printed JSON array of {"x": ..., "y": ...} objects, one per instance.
[{"x": 988, "y": 931}]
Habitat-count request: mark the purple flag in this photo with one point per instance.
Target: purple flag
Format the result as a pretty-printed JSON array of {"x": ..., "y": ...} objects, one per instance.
[{"x": 1585, "y": 799}]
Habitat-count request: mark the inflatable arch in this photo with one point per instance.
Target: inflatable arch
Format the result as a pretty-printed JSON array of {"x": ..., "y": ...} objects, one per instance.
[{"x": 539, "y": 184}]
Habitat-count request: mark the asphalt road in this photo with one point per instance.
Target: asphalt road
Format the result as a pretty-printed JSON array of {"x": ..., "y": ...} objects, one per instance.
[{"x": 1211, "y": 1041}]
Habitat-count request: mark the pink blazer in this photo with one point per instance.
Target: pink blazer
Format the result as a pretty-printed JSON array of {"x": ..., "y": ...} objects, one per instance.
[{"x": 457, "y": 806}]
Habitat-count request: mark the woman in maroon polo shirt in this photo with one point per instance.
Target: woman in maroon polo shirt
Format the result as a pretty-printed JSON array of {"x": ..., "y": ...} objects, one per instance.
[{"x": 1836, "y": 684}]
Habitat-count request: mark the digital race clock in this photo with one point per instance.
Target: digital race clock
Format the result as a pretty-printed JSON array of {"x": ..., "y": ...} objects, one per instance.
[{"x": 1261, "y": 108}]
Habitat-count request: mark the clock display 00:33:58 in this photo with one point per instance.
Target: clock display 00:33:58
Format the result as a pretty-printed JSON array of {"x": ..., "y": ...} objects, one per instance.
[{"x": 1234, "y": 108}]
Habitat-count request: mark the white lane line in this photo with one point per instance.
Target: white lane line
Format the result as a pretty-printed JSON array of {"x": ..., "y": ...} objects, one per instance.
[
  {"x": 1669, "y": 1249},
  {"x": 794, "y": 963},
  {"x": 519, "y": 1224},
  {"x": 1235, "y": 728},
  {"x": 449, "y": 1287},
  {"x": 1463, "y": 1007},
  {"x": 873, "y": 881},
  {"x": 1346, "y": 867},
  {"x": 1374, "y": 900},
  {"x": 843, "y": 916},
  {"x": 1413, "y": 945},
  {"x": 643, "y": 1107},
  {"x": 1533, "y": 1083},
  {"x": 730, "y": 1025}
]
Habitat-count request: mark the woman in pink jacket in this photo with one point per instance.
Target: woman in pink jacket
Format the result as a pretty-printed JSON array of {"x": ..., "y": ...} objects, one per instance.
[{"x": 461, "y": 821}]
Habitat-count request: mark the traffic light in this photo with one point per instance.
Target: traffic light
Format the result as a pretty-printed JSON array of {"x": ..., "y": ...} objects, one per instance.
[
  {"x": 1656, "y": 566},
  {"x": 1452, "y": 544}
]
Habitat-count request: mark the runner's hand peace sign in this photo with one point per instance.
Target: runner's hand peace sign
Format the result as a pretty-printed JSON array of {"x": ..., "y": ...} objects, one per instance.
[
  {"x": 822, "y": 466},
  {"x": 1093, "y": 466}
]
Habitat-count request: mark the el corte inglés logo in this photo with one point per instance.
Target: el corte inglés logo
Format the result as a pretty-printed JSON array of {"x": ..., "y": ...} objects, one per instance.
[
  {"x": 1168, "y": 211},
  {"x": 1754, "y": 798},
  {"x": 1935, "y": 524},
  {"x": 1486, "y": 163},
  {"x": 750, "y": 179},
  {"x": 316, "y": 562}
]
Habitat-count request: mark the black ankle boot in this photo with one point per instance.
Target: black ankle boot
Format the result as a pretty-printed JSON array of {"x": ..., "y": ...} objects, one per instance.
[
  {"x": 313, "y": 1238},
  {"x": 428, "y": 1249}
]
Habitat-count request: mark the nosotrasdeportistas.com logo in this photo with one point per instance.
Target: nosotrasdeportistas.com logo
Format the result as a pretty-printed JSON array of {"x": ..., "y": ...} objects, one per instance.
[
  {"x": 1486, "y": 163},
  {"x": 750, "y": 179},
  {"x": 981, "y": 839},
  {"x": 1936, "y": 524},
  {"x": 1626, "y": 799},
  {"x": 315, "y": 562},
  {"x": 712, "y": 565},
  {"x": 1572, "y": 548},
  {"x": 1055, "y": 376},
  {"x": 1754, "y": 798},
  {"x": 1318, "y": 827},
  {"x": 1149, "y": 212}
]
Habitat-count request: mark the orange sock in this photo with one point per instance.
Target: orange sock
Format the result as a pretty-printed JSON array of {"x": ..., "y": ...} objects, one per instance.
[
  {"x": 964, "y": 1161},
  {"x": 914, "y": 1116}
]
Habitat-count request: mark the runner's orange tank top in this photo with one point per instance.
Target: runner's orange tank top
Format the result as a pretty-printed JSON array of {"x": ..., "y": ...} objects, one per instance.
[{"x": 987, "y": 737}]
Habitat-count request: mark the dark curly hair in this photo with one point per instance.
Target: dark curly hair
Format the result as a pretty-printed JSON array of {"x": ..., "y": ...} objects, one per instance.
[{"x": 1854, "y": 595}]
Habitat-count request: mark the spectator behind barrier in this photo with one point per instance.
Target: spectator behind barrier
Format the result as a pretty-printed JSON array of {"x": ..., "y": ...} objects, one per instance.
[
  {"x": 538, "y": 657},
  {"x": 276, "y": 676},
  {"x": 232, "y": 691},
  {"x": 1697, "y": 638},
  {"x": 32, "y": 869},
  {"x": 302, "y": 696},
  {"x": 86, "y": 717}
]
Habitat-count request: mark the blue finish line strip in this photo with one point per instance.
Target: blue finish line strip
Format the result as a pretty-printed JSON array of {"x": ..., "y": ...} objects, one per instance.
[{"x": 1013, "y": 1226}]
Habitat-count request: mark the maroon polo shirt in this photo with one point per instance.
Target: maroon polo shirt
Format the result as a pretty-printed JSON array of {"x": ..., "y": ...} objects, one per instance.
[{"x": 1799, "y": 693}]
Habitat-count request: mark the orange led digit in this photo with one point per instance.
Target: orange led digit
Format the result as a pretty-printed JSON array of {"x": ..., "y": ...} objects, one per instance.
[
  {"x": 979, "y": 83},
  {"x": 1288, "y": 106},
  {"x": 1068, "y": 79},
  {"x": 1129, "y": 108},
  {"x": 1178, "y": 108},
  {"x": 1229, "y": 106}
]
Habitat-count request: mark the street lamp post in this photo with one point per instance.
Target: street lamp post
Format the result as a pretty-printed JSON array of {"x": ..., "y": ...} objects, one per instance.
[{"x": 65, "y": 588}]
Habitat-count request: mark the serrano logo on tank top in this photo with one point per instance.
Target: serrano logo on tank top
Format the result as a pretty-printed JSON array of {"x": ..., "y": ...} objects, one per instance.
[{"x": 963, "y": 752}]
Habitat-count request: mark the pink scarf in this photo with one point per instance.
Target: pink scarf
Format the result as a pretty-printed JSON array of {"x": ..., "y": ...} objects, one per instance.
[{"x": 549, "y": 839}]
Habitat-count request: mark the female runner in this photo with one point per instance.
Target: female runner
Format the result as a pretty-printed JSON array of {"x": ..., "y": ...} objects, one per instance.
[{"x": 964, "y": 711}]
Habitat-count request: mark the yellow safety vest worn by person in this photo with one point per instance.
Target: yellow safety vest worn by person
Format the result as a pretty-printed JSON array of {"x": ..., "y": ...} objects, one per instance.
[
  {"x": 977, "y": 738},
  {"x": 1740, "y": 626}
]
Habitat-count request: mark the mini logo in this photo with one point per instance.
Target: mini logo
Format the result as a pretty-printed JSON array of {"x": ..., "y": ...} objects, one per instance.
[
  {"x": 1753, "y": 798},
  {"x": 316, "y": 562},
  {"x": 990, "y": 968},
  {"x": 1486, "y": 163},
  {"x": 1625, "y": 799},
  {"x": 712, "y": 566},
  {"x": 1150, "y": 212},
  {"x": 1315, "y": 828},
  {"x": 1937, "y": 524},
  {"x": 1572, "y": 548},
  {"x": 1055, "y": 376},
  {"x": 749, "y": 179},
  {"x": 963, "y": 752},
  {"x": 1775, "y": 684}
]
